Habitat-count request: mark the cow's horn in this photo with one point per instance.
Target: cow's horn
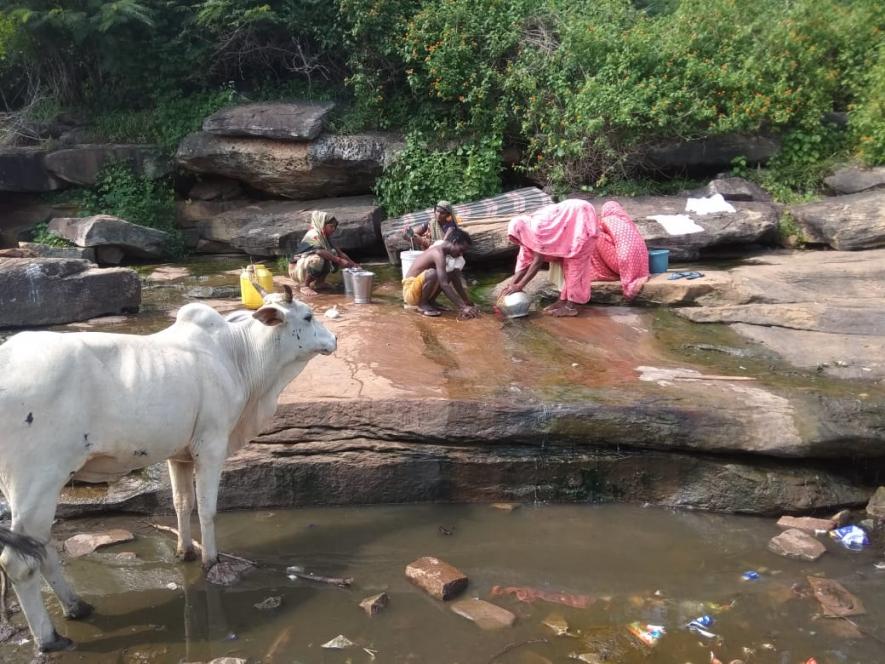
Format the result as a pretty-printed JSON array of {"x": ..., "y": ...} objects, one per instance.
[{"x": 288, "y": 290}]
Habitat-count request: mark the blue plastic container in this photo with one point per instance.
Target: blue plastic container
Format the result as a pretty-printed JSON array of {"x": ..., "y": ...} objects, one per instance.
[{"x": 658, "y": 260}]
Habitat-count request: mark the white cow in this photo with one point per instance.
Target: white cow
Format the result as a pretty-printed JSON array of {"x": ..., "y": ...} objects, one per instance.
[{"x": 95, "y": 406}]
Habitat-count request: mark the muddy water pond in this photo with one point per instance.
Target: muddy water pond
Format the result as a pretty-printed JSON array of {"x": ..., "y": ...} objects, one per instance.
[{"x": 615, "y": 564}]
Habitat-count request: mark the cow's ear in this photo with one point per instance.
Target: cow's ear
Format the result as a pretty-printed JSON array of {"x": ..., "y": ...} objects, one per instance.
[{"x": 269, "y": 316}]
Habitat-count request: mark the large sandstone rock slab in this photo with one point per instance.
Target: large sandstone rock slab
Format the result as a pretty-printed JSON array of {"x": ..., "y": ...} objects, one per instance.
[
  {"x": 80, "y": 165},
  {"x": 291, "y": 121},
  {"x": 50, "y": 291},
  {"x": 23, "y": 169},
  {"x": 275, "y": 228},
  {"x": 104, "y": 230},
  {"x": 817, "y": 310},
  {"x": 751, "y": 223},
  {"x": 876, "y": 505},
  {"x": 736, "y": 189},
  {"x": 328, "y": 166},
  {"x": 847, "y": 223},
  {"x": 854, "y": 179},
  {"x": 708, "y": 154}
]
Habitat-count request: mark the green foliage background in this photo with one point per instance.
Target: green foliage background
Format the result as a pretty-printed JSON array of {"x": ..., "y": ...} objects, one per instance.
[{"x": 579, "y": 86}]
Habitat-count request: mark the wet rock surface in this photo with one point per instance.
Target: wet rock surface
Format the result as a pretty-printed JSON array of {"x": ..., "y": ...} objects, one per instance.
[
  {"x": 486, "y": 615},
  {"x": 85, "y": 543}
]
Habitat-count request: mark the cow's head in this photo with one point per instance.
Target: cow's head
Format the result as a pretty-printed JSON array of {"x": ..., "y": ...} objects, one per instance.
[{"x": 302, "y": 335}]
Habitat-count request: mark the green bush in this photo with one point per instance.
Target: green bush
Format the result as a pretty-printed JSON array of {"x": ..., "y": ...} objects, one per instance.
[
  {"x": 41, "y": 234},
  {"x": 424, "y": 174},
  {"x": 140, "y": 200}
]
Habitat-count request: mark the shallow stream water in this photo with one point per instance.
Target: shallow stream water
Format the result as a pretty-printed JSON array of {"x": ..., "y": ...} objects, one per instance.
[{"x": 628, "y": 563}]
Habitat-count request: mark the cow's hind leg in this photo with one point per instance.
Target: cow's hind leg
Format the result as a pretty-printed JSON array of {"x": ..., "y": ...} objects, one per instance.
[
  {"x": 32, "y": 515},
  {"x": 182, "y": 475},
  {"x": 208, "y": 466}
]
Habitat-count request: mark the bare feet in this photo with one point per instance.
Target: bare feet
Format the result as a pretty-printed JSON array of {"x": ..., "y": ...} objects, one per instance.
[
  {"x": 307, "y": 291},
  {"x": 553, "y": 308},
  {"x": 565, "y": 310},
  {"x": 426, "y": 310}
]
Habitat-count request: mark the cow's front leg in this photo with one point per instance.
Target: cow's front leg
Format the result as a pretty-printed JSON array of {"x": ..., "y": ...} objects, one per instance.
[
  {"x": 182, "y": 475},
  {"x": 74, "y": 608},
  {"x": 208, "y": 470}
]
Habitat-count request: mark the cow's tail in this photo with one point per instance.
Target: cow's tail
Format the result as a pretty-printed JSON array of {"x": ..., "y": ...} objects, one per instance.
[{"x": 21, "y": 544}]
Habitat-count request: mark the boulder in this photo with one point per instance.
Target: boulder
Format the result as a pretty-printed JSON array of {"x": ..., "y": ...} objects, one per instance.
[
  {"x": 81, "y": 165},
  {"x": 328, "y": 166},
  {"x": 104, "y": 230},
  {"x": 847, "y": 223},
  {"x": 51, "y": 291},
  {"x": 736, "y": 189},
  {"x": 751, "y": 223},
  {"x": 215, "y": 189},
  {"x": 854, "y": 179},
  {"x": 23, "y": 169},
  {"x": 876, "y": 505},
  {"x": 796, "y": 544},
  {"x": 712, "y": 153},
  {"x": 275, "y": 228},
  {"x": 436, "y": 577},
  {"x": 290, "y": 121},
  {"x": 486, "y": 615}
]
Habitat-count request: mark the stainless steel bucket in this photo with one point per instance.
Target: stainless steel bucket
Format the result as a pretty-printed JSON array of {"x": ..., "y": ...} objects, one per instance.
[
  {"x": 347, "y": 275},
  {"x": 362, "y": 286}
]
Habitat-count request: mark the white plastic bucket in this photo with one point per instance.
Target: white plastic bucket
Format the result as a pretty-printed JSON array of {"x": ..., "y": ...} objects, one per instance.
[{"x": 407, "y": 258}]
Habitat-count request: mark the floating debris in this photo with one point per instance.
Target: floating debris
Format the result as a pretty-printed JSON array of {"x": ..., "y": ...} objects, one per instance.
[
  {"x": 340, "y": 642},
  {"x": 269, "y": 603}
]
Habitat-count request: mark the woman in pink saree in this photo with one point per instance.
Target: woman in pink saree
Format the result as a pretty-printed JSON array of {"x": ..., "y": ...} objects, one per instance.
[
  {"x": 563, "y": 235},
  {"x": 580, "y": 249},
  {"x": 620, "y": 252}
]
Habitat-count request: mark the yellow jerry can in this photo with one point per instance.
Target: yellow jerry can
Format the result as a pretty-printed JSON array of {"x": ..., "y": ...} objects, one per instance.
[{"x": 252, "y": 299}]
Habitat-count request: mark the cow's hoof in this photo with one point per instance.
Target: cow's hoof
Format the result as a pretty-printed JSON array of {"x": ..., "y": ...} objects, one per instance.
[
  {"x": 80, "y": 610},
  {"x": 57, "y": 644},
  {"x": 187, "y": 556}
]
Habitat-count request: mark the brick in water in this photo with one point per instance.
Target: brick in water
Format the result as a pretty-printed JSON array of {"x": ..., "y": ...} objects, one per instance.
[
  {"x": 807, "y": 523},
  {"x": 485, "y": 614},
  {"x": 436, "y": 577}
]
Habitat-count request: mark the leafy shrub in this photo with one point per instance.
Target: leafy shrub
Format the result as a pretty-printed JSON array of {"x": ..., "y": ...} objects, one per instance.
[
  {"x": 140, "y": 200},
  {"x": 424, "y": 174},
  {"x": 41, "y": 234}
]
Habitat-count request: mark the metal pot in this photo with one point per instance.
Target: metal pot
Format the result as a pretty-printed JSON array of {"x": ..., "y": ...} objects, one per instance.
[
  {"x": 362, "y": 286},
  {"x": 515, "y": 305}
]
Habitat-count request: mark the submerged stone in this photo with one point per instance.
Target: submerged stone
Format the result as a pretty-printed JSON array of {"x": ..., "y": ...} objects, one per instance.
[
  {"x": 85, "y": 543},
  {"x": 374, "y": 604},
  {"x": 806, "y": 524},
  {"x": 796, "y": 544},
  {"x": 486, "y": 615}
]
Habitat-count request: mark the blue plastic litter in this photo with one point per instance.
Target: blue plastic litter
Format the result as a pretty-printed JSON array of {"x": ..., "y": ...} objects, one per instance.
[
  {"x": 750, "y": 575},
  {"x": 851, "y": 537},
  {"x": 700, "y": 625},
  {"x": 685, "y": 275}
]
